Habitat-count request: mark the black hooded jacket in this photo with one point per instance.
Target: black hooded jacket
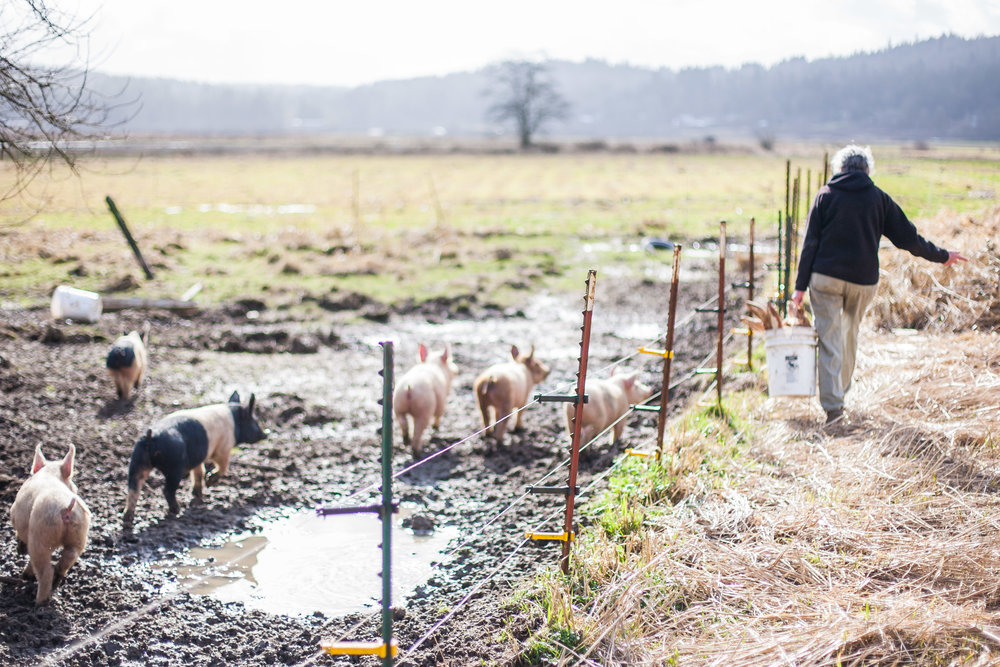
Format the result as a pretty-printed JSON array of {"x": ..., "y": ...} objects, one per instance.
[{"x": 848, "y": 218}]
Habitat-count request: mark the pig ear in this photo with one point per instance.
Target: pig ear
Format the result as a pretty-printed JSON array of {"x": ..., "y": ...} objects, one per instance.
[
  {"x": 251, "y": 403},
  {"x": 39, "y": 461},
  {"x": 422, "y": 351},
  {"x": 612, "y": 373},
  {"x": 149, "y": 433},
  {"x": 532, "y": 354},
  {"x": 444, "y": 355},
  {"x": 629, "y": 381},
  {"x": 513, "y": 351},
  {"x": 235, "y": 398},
  {"x": 67, "y": 463}
]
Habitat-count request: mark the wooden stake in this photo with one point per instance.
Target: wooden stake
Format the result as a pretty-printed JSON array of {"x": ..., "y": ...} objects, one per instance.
[{"x": 128, "y": 236}]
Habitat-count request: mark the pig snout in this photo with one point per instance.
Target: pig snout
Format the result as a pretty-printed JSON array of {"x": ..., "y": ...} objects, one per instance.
[
  {"x": 638, "y": 392},
  {"x": 126, "y": 363},
  {"x": 608, "y": 402},
  {"x": 248, "y": 427}
]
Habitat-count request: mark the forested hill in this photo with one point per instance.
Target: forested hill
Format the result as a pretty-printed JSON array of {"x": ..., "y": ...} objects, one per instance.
[{"x": 946, "y": 88}]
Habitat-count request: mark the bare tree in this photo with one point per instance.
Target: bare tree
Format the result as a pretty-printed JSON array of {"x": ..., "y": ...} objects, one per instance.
[
  {"x": 525, "y": 94},
  {"x": 43, "y": 109}
]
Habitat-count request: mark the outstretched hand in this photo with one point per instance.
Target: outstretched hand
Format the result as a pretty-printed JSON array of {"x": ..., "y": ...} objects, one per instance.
[
  {"x": 955, "y": 256},
  {"x": 797, "y": 297}
]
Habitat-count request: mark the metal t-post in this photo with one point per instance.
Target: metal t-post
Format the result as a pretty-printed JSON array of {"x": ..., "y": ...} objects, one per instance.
[
  {"x": 668, "y": 354},
  {"x": 581, "y": 379},
  {"x": 722, "y": 310},
  {"x": 386, "y": 513}
]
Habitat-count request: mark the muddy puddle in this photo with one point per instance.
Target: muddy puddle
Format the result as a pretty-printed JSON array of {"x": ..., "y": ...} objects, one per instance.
[{"x": 304, "y": 563}]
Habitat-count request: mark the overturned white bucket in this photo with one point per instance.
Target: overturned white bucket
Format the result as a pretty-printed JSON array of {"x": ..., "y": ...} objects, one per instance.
[
  {"x": 791, "y": 361},
  {"x": 70, "y": 303}
]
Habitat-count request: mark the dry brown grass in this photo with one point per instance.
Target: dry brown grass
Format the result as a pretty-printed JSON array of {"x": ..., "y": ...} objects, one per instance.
[
  {"x": 917, "y": 294},
  {"x": 874, "y": 541}
]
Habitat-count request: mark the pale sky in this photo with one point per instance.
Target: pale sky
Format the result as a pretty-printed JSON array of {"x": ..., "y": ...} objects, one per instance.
[{"x": 352, "y": 42}]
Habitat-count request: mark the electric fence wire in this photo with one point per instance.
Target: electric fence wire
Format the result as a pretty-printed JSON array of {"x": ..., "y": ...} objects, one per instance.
[
  {"x": 559, "y": 389},
  {"x": 82, "y": 643},
  {"x": 585, "y": 490},
  {"x": 589, "y": 487}
]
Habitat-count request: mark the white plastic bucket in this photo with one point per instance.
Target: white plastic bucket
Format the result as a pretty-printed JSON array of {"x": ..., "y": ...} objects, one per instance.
[
  {"x": 791, "y": 361},
  {"x": 70, "y": 303}
]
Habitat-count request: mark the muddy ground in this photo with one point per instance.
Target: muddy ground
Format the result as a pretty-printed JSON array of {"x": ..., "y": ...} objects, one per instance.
[{"x": 316, "y": 383}]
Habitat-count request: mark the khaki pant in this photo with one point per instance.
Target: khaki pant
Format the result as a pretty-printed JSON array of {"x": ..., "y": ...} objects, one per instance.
[{"x": 838, "y": 308}]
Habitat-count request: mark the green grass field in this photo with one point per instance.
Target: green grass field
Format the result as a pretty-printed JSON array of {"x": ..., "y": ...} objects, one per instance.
[{"x": 417, "y": 225}]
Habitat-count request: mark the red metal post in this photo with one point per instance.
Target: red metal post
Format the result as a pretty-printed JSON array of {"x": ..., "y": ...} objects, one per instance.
[
  {"x": 581, "y": 379},
  {"x": 722, "y": 310},
  {"x": 668, "y": 354}
]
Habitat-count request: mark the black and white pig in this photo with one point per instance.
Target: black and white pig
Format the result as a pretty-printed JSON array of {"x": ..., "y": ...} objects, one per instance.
[
  {"x": 179, "y": 444},
  {"x": 126, "y": 361}
]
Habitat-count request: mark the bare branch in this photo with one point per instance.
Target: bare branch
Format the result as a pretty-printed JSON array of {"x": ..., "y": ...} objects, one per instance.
[
  {"x": 525, "y": 95},
  {"x": 45, "y": 112}
]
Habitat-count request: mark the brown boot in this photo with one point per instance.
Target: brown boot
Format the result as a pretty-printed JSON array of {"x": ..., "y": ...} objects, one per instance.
[{"x": 834, "y": 415}]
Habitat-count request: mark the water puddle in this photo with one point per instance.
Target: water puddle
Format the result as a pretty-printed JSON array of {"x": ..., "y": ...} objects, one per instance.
[
  {"x": 646, "y": 331},
  {"x": 305, "y": 563}
]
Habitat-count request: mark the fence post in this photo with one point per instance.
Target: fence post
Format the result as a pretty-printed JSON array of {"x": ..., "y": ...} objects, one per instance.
[
  {"x": 581, "y": 379},
  {"x": 786, "y": 279},
  {"x": 722, "y": 311},
  {"x": 387, "y": 649},
  {"x": 128, "y": 236},
  {"x": 579, "y": 398},
  {"x": 781, "y": 252},
  {"x": 668, "y": 354},
  {"x": 387, "y": 508}
]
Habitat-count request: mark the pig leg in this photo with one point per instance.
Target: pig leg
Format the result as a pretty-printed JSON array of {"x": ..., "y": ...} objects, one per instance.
[
  {"x": 438, "y": 413},
  {"x": 197, "y": 479},
  {"x": 119, "y": 385},
  {"x": 487, "y": 418},
  {"x": 29, "y": 572},
  {"x": 22, "y": 548},
  {"x": 41, "y": 563},
  {"x": 517, "y": 419},
  {"x": 419, "y": 426},
  {"x": 170, "y": 486},
  {"x": 501, "y": 426},
  {"x": 404, "y": 427},
  {"x": 221, "y": 462},
  {"x": 133, "y": 497},
  {"x": 69, "y": 555},
  {"x": 617, "y": 434}
]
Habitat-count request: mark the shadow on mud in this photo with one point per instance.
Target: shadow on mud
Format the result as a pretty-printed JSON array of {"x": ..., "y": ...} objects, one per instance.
[
  {"x": 196, "y": 524},
  {"x": 116, "y": 407}
]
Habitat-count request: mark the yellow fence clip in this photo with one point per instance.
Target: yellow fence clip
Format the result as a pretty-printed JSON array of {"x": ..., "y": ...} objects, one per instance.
[
  {"x": 360, "y": 648},
  {"x": 641, "y": 455},
  {"x": 562, "y": 537},
  {"x": 741, "y": 332},
  {"x": 666, "y": 354}
]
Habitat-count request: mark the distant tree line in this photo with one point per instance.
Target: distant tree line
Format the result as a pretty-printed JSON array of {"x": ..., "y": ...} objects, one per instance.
[{"x": 939, "y": 88}]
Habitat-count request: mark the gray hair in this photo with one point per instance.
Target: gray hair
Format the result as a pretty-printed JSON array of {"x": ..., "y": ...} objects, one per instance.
[{"x": 853, "y": 158}]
